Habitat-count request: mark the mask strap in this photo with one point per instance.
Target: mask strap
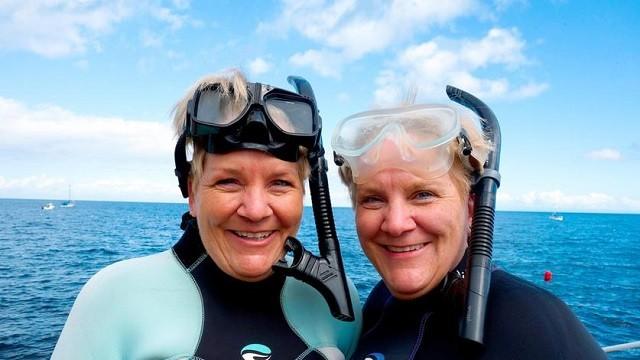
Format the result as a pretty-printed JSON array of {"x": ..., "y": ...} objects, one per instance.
[{"x": 183, "y": 167}]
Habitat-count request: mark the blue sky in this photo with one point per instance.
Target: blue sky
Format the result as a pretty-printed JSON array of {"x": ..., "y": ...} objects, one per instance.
[{"x": 86, "y": 87}]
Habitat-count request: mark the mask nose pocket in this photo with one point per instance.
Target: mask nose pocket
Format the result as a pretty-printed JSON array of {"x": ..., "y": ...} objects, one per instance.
[{"x": 255, "y": 131}]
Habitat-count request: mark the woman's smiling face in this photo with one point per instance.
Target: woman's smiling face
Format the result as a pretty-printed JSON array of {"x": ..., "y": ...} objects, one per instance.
[
  {"x": 413, "y": 230},
  {"x": 247, "y": 203}
]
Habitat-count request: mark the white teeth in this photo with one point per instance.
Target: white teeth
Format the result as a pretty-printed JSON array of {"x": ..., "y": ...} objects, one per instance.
[
  {"x": 401, "y": 249},
  {"x": 253, "y": 235}
]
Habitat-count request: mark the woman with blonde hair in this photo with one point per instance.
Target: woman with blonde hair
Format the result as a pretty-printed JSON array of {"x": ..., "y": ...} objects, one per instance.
[{"x": 422, "y": 180}]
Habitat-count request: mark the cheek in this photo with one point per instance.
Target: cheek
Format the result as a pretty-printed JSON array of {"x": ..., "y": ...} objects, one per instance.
[
  {"x": 367, "y": 225},
  {"x": 289, "y": 210}
]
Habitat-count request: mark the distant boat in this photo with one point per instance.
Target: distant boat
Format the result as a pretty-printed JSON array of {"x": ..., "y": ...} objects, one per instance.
[
  {"x": 556, "y": 217},
  {"x": 68, "y": 203},
  {"x": 48, "y": 206}
]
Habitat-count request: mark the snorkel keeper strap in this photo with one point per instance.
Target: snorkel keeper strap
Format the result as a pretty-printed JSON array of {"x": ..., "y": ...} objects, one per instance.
[{"x": 478, "y": 271}]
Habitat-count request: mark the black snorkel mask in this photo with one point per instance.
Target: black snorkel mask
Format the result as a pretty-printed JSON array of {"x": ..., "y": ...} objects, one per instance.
[
  {"x": 276, "y": 121},
  {"x": 477, "y": 277}
]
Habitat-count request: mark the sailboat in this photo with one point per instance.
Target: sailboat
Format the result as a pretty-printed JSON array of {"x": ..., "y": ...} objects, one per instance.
[{"x": 68, "y": 203}]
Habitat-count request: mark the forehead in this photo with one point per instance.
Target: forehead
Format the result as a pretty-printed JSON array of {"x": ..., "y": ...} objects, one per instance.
[
  {"x": 391, "y": 179},
  {"x": 252, "y": 162}
]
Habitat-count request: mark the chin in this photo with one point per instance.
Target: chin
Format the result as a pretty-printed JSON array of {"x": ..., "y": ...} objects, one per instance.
[
  {"x": 406, "y": 287},
  {"x": 406, "y": 293},
  {"x": 255, "y": 270}
]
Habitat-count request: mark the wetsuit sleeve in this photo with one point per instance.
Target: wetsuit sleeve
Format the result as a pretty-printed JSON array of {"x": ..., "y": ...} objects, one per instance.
[
  {"x": 135, "y": 309},
  {"x": 529, "y": 322},
  {"x": 88, "y": 334},
  {"x": 308, "y": 315}
]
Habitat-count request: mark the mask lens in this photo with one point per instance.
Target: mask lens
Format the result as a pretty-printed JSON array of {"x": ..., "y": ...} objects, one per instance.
[
  {"x": 292, "y": 117},
  {"x": 214, "y": 109},
  {"x": 413, "y": 138}
]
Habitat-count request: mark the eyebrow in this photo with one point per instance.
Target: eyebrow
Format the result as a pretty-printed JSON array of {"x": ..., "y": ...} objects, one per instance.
[{"x": 278, "y": 171}]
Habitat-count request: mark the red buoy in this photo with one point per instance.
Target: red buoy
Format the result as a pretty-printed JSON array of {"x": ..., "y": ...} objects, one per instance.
[{"x": 547, "y": 275}]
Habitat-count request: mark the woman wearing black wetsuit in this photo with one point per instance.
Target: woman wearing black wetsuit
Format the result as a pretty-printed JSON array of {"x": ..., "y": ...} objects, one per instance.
[
  {"x": 213, "y": 295},
  {"x": 410, "y": 172}
]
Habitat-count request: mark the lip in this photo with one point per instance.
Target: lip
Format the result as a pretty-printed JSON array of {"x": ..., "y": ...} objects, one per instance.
[
  {"x": 404, "y": 251},
  {"x": 252, "y": 238}
]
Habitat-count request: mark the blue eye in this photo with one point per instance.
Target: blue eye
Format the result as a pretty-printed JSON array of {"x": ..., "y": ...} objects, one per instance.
[
  {"x": 283, "y": 183},
  {"x": 371, "y": 202},
  {"x": 228, "y": 181},
  {"x": 423, "y": 195}
]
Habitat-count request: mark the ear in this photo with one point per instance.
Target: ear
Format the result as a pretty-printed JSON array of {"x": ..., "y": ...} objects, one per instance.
[
  {"x": 471, "y": 201},
  {"x": 192, "y": 199}
]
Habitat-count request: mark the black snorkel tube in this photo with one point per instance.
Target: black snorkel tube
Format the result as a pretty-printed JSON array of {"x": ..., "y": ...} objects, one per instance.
[
  {"x": 326, "y": 272},
  {"x": 478, "y": 271}
]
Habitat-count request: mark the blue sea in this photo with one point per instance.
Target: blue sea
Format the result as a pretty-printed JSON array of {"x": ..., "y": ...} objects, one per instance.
[{"x": 48, "y": 255}]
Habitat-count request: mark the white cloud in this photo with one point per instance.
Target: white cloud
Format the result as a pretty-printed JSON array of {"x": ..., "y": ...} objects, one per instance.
[
  {"x": 122, "y": 188},
  {"x": 346, "y": 31},
  {"x": 326, "y": 63},
  {"x": 259, "y": 66},
  {"x": 605, "y": 154},
  {"x": 351, "y": 30},
  {"x": 105, "y": 157},
  {"x": 58, "y": 28},
  {"x": 36, "y": 182},
  {"x": 166, "y": 15},
  {"x": 432, "y": 65},
  {"x": 559, "y": 200},
  {"x": 181, "y": 4},
  {"x": 313, "y": 19},
  {"x": 51, "y": 129}
]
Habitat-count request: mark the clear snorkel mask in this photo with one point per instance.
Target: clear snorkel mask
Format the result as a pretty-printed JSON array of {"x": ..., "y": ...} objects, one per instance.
[{"x": 415, "y": 139}]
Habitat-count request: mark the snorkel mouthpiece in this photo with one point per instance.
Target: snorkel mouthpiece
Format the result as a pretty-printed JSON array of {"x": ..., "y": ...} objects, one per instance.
[{"x": 478, "y": 270}]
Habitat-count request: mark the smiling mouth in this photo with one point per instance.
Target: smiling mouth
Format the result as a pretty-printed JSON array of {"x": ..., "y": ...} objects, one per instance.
[
  {"x": 404, "y": 249},
  {"x": 253, "y": 235}
]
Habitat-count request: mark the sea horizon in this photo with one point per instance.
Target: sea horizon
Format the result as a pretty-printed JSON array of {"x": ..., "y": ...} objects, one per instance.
[{"x": 570, "y": 211}]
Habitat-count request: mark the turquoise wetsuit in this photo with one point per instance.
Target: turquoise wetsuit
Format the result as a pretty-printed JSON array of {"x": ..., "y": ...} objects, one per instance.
[{"x": 179, "y": 305}]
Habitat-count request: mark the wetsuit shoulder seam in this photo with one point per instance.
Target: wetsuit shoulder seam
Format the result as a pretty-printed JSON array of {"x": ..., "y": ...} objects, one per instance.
[{"x": 195, "y": 283}]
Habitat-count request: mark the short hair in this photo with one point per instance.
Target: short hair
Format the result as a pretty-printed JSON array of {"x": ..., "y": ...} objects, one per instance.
[
  {"x": 463, "y": 167},
  {"x": 232, "y": 85}
]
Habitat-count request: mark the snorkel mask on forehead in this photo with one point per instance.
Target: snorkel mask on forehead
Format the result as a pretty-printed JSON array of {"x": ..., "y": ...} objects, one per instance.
[
  {"x": 269, "y": 119},
  {"x": 415, "y": 138}
]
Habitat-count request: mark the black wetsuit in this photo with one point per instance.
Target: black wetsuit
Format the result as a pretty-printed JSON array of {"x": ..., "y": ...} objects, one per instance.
[
  {"x": 179, "y": 305},
  {"x": 523, "y": 322}
]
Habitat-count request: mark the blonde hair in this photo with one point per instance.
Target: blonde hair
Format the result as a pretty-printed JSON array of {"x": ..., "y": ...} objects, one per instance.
[
  {"x": 232, "y": 86},
  {"x": 463, "y": 166}
]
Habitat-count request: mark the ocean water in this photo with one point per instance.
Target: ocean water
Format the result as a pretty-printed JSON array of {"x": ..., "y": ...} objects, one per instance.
[{"x": 48, "y": 255}]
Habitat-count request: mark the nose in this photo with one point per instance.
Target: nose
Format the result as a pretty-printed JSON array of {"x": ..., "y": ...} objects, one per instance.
[
  {"x": 255, "y": 205},
  {"x": 398, "y": 219}
]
